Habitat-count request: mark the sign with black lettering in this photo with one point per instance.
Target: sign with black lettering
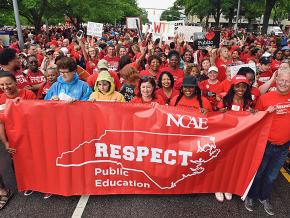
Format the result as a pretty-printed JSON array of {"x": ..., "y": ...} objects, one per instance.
[{"x": 206, "y": 39}]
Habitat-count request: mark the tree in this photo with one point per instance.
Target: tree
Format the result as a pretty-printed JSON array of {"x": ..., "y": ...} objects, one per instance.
[
  {"x": 171, "y": 14},
  {"x": 267, "y": 13}
]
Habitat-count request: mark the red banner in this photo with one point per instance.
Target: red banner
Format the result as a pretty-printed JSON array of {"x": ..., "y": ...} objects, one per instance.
[{"x": 122, "y": 148}]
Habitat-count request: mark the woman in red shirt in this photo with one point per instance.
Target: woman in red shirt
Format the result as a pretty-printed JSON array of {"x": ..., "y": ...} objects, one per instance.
[
  {"x": 146, "y": 91},
  {"x": 238, "y": 98},
  {"x": 190, "y": 96},
  {"x": 167, "y": 90},
  {"x": 210, "y": 87},
  {"x": 153, "y": 70},
  {"x": 10, "y": 92}
]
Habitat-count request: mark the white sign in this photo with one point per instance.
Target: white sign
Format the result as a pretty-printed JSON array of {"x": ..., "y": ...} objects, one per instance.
[
  {"x": 94, "y": 29},
  {"x": 235, "y": 69},
  {"x": 188, "y": 32},
  {"x": 132, "y": 22}
]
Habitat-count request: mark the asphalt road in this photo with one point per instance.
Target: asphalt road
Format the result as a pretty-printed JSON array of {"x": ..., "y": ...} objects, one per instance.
[{"x": 195, "y": 205}]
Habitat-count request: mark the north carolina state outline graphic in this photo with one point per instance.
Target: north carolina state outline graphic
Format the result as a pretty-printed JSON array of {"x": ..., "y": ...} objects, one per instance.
[{"x": 209, "y": 148}]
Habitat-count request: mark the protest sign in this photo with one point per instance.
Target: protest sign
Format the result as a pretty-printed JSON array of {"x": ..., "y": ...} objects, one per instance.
[
  {"x": 203, "y": 40},
  {"x": 188, "y": 32},
  {"x": 133, "y": 23},
  {"x": 5, "y": 38},
  {"x": 88, "y": 148},
  {"x": 235, "y": 69},
  {"x": 94, "y": 29}
]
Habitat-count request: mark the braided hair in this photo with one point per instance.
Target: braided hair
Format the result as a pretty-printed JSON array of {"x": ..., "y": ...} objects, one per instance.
[{"x": 247, "y": 98}]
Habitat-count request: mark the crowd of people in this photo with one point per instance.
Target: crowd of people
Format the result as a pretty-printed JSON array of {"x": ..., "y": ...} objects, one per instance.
[{"x": 121, "y": 66}]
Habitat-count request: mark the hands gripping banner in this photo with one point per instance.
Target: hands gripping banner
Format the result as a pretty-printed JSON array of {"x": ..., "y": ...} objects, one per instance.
[{"x": 121, "y": 148}]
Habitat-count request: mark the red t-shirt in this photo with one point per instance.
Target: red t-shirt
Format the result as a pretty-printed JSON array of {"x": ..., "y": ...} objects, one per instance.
[
  {"x": 43, "y": 90},
  {"x": 275, "y": 65},
  {"x": 23, "y": 94},
  {"x": 235, "y": 106},
  {"x": 35, "y": 78},
  {"x": 158, "y": 100},
  {"x": 113, "y": 62},
  {"x": 91, "y": 65},
  {"x": 166, "y": 99},
  {"x": 280, "y": 128},
  {"x": 206, "y": 89},
  {"x": 224, "y": 87},
  {"x": 221, "y": 65},
  {"x": 265, "y": 76},
  {"x": 91, "y": 80},
  {"x": 255, "y": 93},
  {"x": 177, "y": 74},
  {"x": 21, "y": 80},
  {"x": 191, "y": 103}
]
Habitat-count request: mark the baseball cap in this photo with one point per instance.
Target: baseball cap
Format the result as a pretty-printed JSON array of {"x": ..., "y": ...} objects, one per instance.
[
  {"x": 285, "y": 48},
  {"x": 239, "y": 79},
  {"x": 267, "y": 54},
  {"x": 265, "y": 60},
  {"x": 213, "y": 68},
  {"x": 103, "y": 64},
  {"x": 189, "y": 81}
]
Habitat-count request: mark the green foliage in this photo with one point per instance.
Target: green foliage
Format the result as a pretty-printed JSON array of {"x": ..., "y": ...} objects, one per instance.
[
  {"x": 171, "y": 14},
  {"x": 36, "y": 11}
]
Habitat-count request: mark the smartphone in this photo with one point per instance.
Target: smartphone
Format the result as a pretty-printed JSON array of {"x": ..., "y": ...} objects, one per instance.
[{"x": 80, "y": 34}]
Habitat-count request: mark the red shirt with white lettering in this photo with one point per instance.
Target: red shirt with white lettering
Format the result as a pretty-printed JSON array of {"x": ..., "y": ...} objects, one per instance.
[
  {"x": 265, "y": 76},
  {"x": 280, "y": 128},
  {"x": 21, "y": 80},
  {"x": 35, "y": 78},
  {"x": 113, "y": 62}
]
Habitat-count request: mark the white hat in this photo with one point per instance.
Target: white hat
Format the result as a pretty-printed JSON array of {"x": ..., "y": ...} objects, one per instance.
[
  {"x": 64, "y": 50},
  {"x": 213, "y": 68},
  {"x": 267, "y": 54}
]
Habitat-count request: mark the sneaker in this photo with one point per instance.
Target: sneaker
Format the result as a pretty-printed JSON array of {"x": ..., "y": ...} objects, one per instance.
[
  {"x": 46, "y": 196},
  {"x": 228, "y": 196},
  {"x": 28, "y": 192},
  {"x": 249, "y": 204},
  {"x": 267, "y": 207},
  {"x": 219, "y": 196}
]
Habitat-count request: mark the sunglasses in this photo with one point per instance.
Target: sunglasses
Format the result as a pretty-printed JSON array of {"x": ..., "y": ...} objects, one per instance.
[{"x": 33, "y": 62}]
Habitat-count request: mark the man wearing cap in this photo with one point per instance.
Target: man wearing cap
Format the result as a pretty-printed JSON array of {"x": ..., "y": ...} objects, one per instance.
[
  {"x": 103, "y": 65},
  {"x": 286, "y": 52},
  {"x": 264, "y": 67},
  {"x": 277, "y": 103}
]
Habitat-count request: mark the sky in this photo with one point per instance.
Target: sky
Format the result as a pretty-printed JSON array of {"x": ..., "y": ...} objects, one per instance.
[{"x": 157, "y": 4}]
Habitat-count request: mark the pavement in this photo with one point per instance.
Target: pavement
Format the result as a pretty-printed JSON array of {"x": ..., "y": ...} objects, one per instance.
[{"x": 192, "y": 205}]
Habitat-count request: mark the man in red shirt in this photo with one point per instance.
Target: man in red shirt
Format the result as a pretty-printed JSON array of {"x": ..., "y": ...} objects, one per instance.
[
  {"x": 9, "y": 62},
  {"x": 34, "y": 76},
  {"x": 265, "y": 69},
  {"x": 112, "y": 59},
  {"x": 278, "y": 104}
]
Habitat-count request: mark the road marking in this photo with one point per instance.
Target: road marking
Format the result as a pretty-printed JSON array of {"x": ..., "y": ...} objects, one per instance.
[
  {"x": 81, "y": 206},
  {"x": 285, "y": 174}
]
